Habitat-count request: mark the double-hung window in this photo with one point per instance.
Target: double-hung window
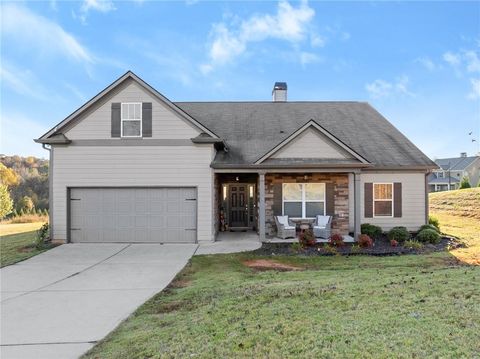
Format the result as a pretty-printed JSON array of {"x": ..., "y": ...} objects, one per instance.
[
  {"x": 131, "y": 118},
  {"x": 383, "y": 199},
  {"x": 303, "y": 200}
]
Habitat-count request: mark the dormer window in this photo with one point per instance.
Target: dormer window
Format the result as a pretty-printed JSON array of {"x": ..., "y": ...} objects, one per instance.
[{"x": 131, "y": 119}]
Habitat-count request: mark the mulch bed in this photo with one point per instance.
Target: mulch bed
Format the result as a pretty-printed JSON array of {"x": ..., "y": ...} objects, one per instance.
[{"x": 381, "y": 247}]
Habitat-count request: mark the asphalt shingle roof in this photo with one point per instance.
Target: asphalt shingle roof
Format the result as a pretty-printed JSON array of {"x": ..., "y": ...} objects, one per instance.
[
  {"x": 455, "y": 163},
  {"x": 251, "y": 129}
]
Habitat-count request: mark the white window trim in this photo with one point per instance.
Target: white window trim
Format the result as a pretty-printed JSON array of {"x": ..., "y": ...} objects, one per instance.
[
  {"x": 382, "y": 200},
  {"x": 136, "y": 119},
  {"x": 304, "y": 200}
]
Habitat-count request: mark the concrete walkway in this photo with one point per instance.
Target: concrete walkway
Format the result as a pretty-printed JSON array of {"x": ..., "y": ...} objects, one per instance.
[
  {"x": 61, "y": 302},
  {"x": 231, "y": 242}
]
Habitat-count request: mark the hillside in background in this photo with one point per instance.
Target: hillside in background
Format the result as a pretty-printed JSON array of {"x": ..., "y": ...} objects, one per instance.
[
  {"x": 32, "y": 181},
  {"x": 459, "y": 215}
]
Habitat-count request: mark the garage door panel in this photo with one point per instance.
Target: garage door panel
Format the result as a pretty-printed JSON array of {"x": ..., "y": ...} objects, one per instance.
[{"x": 133, "y": 215}]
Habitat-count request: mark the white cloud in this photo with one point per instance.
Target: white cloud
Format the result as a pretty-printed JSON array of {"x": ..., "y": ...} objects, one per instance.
[
  {"x": 381, "y": 88},
  {"x": 308, "y": 58},
  {"x": 427, "y": 63},
  {"x": 34, "y": 31},
  {"x": 291, "y": 24},
  {"x": 102, "y": 6},
  {"x": 317, "y": 40},
  {"x": 472, "y": 61},
  {"x": 21, "y": 81},
  {"x": 475, "y": 92},
  {"x": 451, "y": 58},
  {"x": 466, "y": 62}
]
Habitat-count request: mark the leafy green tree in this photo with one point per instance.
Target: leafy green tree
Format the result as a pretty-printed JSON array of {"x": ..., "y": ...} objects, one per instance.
[
  {"x": 465, "y": 183},
  {"x": 6, "y": 203}
]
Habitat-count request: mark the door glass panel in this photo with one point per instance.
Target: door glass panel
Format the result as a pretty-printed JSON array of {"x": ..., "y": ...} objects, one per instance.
[
  {"x": 293, "y": 209},
  {"x": 292, "y": 192}
]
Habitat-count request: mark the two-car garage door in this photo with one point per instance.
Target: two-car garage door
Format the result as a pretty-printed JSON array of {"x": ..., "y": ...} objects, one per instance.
[{"x": 161, "y": 215}]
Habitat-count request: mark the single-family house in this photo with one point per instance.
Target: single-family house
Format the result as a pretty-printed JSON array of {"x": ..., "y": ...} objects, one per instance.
[
  {"x": 132, "y": 166},
  {"x": 451, "y": 171}
]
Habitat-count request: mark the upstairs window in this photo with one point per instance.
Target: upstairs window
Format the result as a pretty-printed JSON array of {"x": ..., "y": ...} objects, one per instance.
[
  {"x": 383, "y": 199},
  {"x": 131, "y": 120}
]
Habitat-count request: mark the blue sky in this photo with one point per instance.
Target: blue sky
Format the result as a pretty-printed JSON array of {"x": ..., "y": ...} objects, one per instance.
[{"x": 418, "y": 63}]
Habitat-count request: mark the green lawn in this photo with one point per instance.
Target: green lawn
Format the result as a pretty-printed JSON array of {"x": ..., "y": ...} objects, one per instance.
[
  {"x": 18, "y": 247},
  {"x": 345, "y": 307}
]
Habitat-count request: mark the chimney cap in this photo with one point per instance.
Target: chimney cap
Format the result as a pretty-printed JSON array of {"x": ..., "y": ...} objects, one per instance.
[
  {"x": 463, "y": 154},
  {"x": 280, "y": 86}
]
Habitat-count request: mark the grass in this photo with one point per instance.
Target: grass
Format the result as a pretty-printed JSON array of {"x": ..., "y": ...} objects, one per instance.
[
  {"x": 459, "y": 215},
  {"x": 339, "y": 307},
  {"x": 18, "y": 247},
  {"x": 14, "y": 228}
]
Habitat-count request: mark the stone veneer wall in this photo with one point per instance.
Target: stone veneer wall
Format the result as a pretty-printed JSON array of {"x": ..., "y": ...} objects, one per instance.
[{"x": 340, "y": 182}]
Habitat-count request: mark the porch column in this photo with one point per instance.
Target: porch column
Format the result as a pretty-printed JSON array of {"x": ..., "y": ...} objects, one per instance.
[
  {"x": 261, "y": 206},
  {"x": 357, "y": 216}
]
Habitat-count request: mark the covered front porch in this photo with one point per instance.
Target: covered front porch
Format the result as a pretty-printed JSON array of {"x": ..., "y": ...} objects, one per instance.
[{"x": 246, "y": 203}]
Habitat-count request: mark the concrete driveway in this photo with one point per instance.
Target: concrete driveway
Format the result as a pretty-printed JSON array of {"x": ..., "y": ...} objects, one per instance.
[{"x": 60, "y": 303}]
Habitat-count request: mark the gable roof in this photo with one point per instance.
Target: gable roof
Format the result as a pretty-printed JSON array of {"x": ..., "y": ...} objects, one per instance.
[
  {"x": 129, "y": 75},
  {"x": 252, "y": 129},
  {"x": 301, "y": 130},
  {"x": 456, "y": 163}
]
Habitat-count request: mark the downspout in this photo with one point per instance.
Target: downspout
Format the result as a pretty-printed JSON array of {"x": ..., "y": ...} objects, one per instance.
[
  {"x": 50, "y": 189},
  {"x": 426, "y": 197}
]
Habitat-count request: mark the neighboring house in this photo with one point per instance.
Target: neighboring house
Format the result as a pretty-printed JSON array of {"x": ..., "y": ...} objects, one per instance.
[
  {"x": 132, "y": 166},
  {"x": 451, "y": 171}
]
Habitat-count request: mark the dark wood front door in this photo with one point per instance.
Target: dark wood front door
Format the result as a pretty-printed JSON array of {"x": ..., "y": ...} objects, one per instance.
[{"x": 238, "y": 206}]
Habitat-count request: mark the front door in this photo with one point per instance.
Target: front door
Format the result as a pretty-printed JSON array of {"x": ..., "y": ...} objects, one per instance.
[{"x": 238, "y": 206}]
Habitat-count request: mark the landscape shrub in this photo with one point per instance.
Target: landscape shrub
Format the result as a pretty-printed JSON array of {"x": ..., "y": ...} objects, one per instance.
[
  {"x": 307, "y": 239},
  {"x": 412, "y": 244},
  {"x": 42, "y": 236},
  {"x": 434, "y": 222},
  {"x": 336, "y": 240},
  {"x": 400, "y": 234},
  {"x": 428, "y": 235},
  {"x": 296, "y": 246},
  {"x": 364, "y": 241},
  {"x": 394, "y": 243},
  {"x": 465, "y": 183},
  {"x": 355, "y": 248},
  {"x": 330, "y": 250},
  {"x": 429, "y": 226},
  {"x": 371, "y": 230}
]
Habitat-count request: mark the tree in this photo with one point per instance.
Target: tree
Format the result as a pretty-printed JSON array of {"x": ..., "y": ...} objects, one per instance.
[
  {"x": 465, "y": 183},
  {"x": 26, "y": 204},
  {"x": 8, "y": 176},
  {"x": 6, "y": 203}
]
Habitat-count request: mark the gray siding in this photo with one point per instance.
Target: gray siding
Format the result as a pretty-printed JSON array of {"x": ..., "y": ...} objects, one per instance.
[
  {"x": 96, "y": 123},
  {"x": 311, "y": 144},
  {"x": 413, "y": 199},
  {"x": 133, "y": 166}
]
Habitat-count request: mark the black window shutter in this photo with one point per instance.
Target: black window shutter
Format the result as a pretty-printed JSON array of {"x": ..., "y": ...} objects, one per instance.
[
  {"x": 368, "y": 193},
  {"x": 330, "y": 199},
  {"x": 116, "y": 119},
  {"x": 147, "y": 119},
  {"x": 397, "y": 199},
  {"x": 277, "y": 199}
]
